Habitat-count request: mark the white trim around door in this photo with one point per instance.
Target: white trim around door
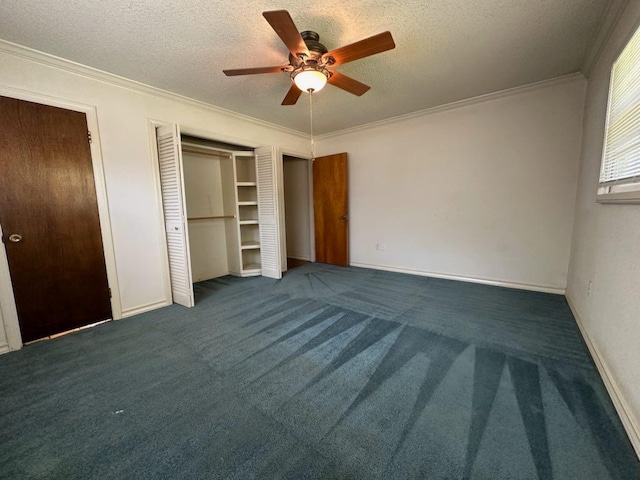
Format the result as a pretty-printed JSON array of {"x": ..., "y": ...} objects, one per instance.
[{"x": 8, "y": 313}]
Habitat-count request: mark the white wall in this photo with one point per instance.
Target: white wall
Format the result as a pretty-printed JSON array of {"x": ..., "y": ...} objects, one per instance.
[
  {"x": 124, "y": 109},
  {"x": 606, "y": 248},
  {"x": 484, "y": 190},
  {"x": 296, "y": 204}
]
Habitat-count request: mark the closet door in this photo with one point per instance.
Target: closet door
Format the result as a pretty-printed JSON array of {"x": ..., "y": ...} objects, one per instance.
[
  {"x": 175, "y": 215},
  {"x": 268, "y": 212}
]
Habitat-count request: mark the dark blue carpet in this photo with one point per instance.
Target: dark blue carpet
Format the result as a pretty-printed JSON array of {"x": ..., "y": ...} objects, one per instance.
[{"x": 329, "y": 373}]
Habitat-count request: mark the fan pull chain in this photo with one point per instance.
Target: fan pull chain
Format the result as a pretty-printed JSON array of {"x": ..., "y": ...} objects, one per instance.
[{"x": 313, "y": 153}]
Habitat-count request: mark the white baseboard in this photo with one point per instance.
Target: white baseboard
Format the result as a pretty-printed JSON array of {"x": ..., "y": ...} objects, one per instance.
[
  {"x": 630, "y": 423},
  {"x": 484, "y": 281},
  {"x": 129, "y": 312},
  {"x": 306, "y": 258},
  {"x": 4, "y": 348}
]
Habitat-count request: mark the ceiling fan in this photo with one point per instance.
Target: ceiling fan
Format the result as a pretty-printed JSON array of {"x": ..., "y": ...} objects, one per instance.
[{"x": 310, "y": 63}]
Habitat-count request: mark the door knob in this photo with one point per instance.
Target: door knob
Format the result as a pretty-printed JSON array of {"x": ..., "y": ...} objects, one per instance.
[{"x": 15, "y": 238}]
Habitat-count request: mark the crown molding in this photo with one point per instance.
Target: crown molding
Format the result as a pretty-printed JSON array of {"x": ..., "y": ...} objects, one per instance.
[
  {"x": 572, "y": 77},
  {"x": 607, "y": 26},
  {"x": 53, "y": 61}
]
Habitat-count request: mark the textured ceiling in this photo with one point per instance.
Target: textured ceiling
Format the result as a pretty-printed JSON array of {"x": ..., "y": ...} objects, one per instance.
[{"x": 446, "y": 50}]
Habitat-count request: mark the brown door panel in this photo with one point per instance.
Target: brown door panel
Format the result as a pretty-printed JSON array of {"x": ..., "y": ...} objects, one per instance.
[
  {"x": 331, "y": 209},
  {"x": 48, "y": 197}
]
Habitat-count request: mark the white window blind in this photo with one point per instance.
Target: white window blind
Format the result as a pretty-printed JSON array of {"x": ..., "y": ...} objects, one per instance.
[{"x": 621, "y": 155}]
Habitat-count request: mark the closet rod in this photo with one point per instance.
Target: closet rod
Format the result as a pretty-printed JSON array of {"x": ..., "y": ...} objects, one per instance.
[{"x": 211, "y": 218}]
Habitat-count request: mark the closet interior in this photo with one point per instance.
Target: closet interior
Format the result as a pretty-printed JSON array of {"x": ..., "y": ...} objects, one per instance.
[
  {"x": 221, "y": 208},
  {"x": 297, "y": 206}
]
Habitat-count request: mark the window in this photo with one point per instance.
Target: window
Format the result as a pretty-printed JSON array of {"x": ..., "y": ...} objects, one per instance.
[{"x": 620, "y": 171}]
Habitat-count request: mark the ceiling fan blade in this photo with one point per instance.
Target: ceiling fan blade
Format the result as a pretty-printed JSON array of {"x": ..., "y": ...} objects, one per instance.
[
  {"x": 282, "y": 23},
  {"x": 251, "y": 71},
  {"x": 339, "y": 80},
  {"x": 292, "y": 95},
  {"x": 364, "y": 48}
]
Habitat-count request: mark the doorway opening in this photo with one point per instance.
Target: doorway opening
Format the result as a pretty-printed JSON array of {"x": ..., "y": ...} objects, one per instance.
[{"x": 298, "y": 207}]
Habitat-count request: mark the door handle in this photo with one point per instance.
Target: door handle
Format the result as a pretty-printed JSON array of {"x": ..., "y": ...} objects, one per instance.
[
  {"x": 344, "y": 217},
  {"x": 15, "y": 238}
]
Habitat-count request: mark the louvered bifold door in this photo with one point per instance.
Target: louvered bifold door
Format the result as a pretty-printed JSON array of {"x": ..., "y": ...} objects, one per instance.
[
  {"x": 173, "y": 202},
  {"x": 268, "y": 212}
]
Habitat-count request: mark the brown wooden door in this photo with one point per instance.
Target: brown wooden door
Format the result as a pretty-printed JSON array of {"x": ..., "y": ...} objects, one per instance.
[
  {"x": 331, "y": 209},
  {"x": 48, "y": 199}
]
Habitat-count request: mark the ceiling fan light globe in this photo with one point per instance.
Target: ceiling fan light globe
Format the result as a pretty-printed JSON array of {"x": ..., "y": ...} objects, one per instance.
[{"x": 313, "y": 80}]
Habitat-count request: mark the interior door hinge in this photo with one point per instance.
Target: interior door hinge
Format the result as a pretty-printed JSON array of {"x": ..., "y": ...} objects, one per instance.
[
  {"x": 89, "y": 136},
  {"x": 110, "y": 296}
]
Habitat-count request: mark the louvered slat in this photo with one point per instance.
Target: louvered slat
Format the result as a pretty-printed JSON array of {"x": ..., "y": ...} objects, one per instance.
[
  {"x": 174, "y": 214},
  {"x": 268, "y": 212}
]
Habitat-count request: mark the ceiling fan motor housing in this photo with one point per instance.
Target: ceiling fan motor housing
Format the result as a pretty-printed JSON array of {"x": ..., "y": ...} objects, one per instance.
[{"x": 316, "y": 49}]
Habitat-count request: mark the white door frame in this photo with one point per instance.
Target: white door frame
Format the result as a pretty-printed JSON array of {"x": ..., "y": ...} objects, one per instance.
[
  {"x": 155, "y": 167},
  {"x": 283, "y": 233},
  {"x": 8, "y": 312}
]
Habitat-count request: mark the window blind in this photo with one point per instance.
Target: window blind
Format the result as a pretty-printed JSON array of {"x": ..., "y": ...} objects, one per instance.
[{"x": 621, "y": 156}]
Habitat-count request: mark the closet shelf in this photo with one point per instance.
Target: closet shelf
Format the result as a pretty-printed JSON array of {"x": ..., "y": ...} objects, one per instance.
[
  {"x": 217, "y": 152},
  {"x": 247, "y": 214},
  {"x": 251, "y": 268},
  {"x": 194, "y": 151},
  {"x": 211, "y": 218}
]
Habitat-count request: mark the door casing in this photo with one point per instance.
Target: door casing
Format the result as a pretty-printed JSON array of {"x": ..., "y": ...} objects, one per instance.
[
  {"x": 283, "y": 230},
  {"x": 8, "y": 312}
]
